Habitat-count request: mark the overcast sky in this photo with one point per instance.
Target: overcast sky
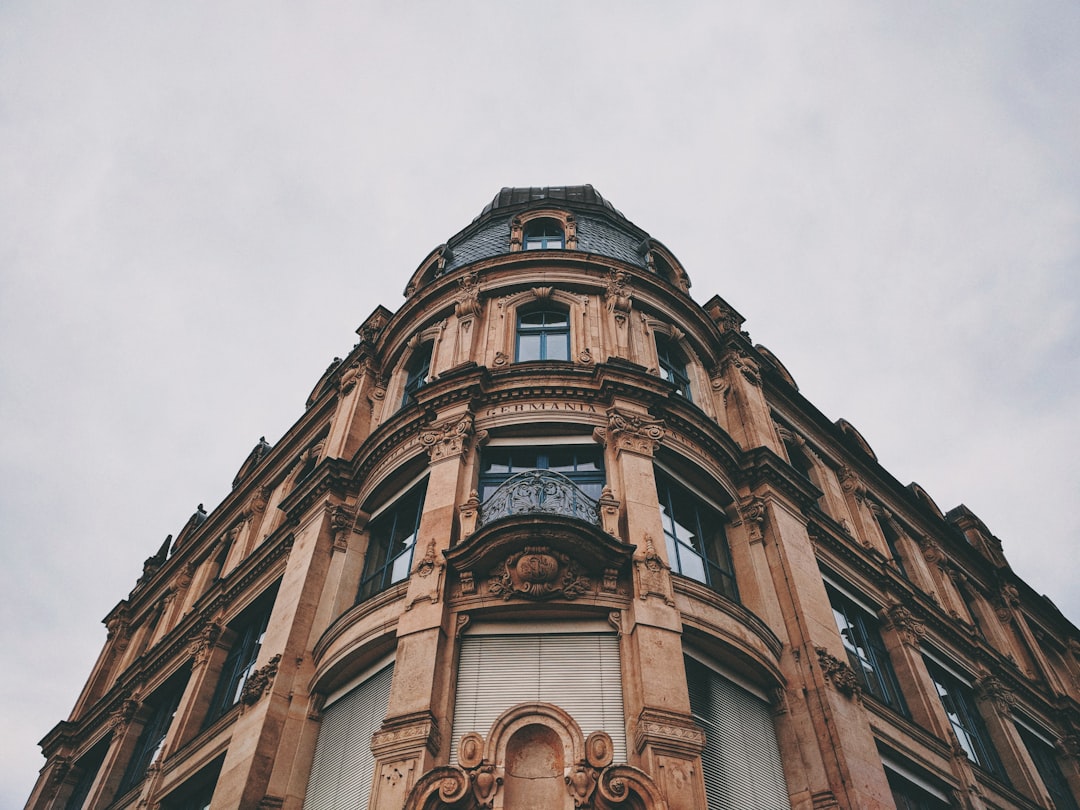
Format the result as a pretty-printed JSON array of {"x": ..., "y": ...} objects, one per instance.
[{"x": 200, "y": 201}]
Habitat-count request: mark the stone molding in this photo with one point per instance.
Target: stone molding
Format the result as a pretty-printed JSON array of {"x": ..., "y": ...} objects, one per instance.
[
  {"x": 403, "y": 735},
  {"x": 538, "y": 572},
  {"x": 669, "y": 732},
  {"x": 448, "y": 439},
  {"x": 911, "y": 630},
  {"x": 637, "y": 433}
]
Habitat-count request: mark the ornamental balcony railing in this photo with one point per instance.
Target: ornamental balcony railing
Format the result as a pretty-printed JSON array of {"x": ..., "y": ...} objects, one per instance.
[{"x": 538, "y": 492}]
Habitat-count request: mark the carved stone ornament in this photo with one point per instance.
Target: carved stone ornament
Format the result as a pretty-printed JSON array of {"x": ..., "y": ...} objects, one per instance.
[
  {"x": 538, "y": 572},
  {"x": 448, "y": 439},
  {"x": 911, "y": 629},
  {"x": 348, "y": 378},
  {"x": 372, "y": 328},
  {"x": 753, "y": 513},
  {"x": 203, "y": 642},
  {"x": 120, "y": 718},
  {"x": 931, "y": 551},
  {"x": 618, "y": 294},
  {"x": 424, "y": 585},
  {"x": 850, "y": 483},
  {"x": 992, "y": 690},
  {"x": 342, "y": 520},
  {"x": 259, "y": 681},
  {"x": 632, "y": 431},
  {"x": 838, "y": 673},
  {"x": 653, "y": 577},
  {"x": 739, "y": 361},
  {"x": 585, "y": 356},
  {"x": 501, "y": 359},
  {"x": 468, "y": 296}
]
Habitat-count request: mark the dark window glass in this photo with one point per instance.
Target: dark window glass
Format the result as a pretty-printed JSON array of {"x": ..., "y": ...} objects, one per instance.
[
  {"x": 163, "y": 704},
  {"x": 1046, "y": 763},
  {"x": 959, "y": 702},
  {"x": 866, "y": 652},
  {"x": 892, "y": 539},
  {"x": 240, "y": 662},
  {"x": 673, "y": 366},
  {"x": 543, "y": 234},
  {"x": 543, "y": 334},
  {"x": 909, "y": 796},
  {"x": 582, "y": 464},
  {"x": 696, "y": 544},
  {"x": 391, "y": 539},
  {"x": 196, "y": 793},
  {"x": 87, "y": 769},
  {"x": 416, "y": 372}
]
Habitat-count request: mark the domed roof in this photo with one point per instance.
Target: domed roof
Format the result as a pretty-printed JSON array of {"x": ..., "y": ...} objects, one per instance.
[{"x": 522, "y": 196}]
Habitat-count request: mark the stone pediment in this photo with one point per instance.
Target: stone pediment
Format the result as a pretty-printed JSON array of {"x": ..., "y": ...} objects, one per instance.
[{"x": 539, "y": 557}]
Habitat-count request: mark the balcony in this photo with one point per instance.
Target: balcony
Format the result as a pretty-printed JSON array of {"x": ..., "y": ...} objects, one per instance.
[{"x": 536, "y": 492}]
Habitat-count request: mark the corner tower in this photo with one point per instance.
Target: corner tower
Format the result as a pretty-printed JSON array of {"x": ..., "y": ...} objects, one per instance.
[{"x": 555, "y": 535}]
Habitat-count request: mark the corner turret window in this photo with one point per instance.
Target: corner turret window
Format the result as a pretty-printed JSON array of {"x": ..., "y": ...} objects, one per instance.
[
  {"x": 673, "y": 366},
  {"x": 696, "y": 544},
  {"x": 543, "y": 234},
  {"x": 417, "y": 371},
  {"x": 392, "y": 538},
  {"x": 543, "y": 334}
]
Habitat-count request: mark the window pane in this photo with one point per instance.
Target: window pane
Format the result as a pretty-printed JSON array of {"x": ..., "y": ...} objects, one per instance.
[
  {"x": 692, "y": 564},
  {"x": 557, "y": 347},
  {"x": 528, "y": 347}
]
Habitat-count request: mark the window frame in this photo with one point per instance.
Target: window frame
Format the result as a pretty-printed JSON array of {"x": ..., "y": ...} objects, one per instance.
[
  {"x": 591, "y": 482},
  {"x": 378, "y": 576},
  {"x": 673, "y": 365},
  {"x": 164, "y": 702},
  {"x": 712, "y": 564},
  {"x": 546, "y": 332},
  {"x": 532, "y": 241},
  {"x": 417, "y": 370},
  {"x": 1045, "y": 759},
  {"x": 867, "y": 655},
  {"x": 962, "y": 712},
  {"x": 249, "y": 629}
]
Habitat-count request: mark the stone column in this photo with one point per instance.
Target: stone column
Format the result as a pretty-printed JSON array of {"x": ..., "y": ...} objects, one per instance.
[
  {"x": 411, "y": 737},
  {"x": 664, "y": 739},
  {"x": 996, "y": 701}
]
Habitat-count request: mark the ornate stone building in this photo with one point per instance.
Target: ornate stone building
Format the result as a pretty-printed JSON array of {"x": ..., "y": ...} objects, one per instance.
[{"x": 553, "y": 535}]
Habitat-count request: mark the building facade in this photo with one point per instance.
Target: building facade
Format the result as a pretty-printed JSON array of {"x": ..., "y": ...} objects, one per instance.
[{"x": 553, "y": 535}]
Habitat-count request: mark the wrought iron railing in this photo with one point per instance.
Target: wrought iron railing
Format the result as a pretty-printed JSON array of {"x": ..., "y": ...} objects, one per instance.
[{"x": 538, "y": 492}]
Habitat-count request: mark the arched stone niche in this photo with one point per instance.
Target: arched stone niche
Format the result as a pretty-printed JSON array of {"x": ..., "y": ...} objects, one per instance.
[{"x": 535, "y": 756}]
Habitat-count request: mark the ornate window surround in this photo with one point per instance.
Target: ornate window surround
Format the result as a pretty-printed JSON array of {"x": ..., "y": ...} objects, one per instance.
[
  {"x": 505, "y": 349},
  {"x": 564, "y": 218}
]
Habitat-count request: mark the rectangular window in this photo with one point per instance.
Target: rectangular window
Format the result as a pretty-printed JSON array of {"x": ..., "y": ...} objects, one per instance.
[
  {"x": 958, "y": 699},
  {"x": 249, "y": 627},
  {"x": 866, "y": 652},
  {"x": 909, "y": 796},
  {"x": 696, "y": 543},
  {"x": 1046, "y": 763},
  {"x": 581, "y": 463},
  {"x": 391, "y": 540},
  {"x": 163, "y": 704},
  {"x": 87, "y": 770}
]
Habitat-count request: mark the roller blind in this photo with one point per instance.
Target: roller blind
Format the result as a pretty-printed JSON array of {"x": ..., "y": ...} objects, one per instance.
[
  {"x": 579, "y": 673},
  {"x": 344, "y": 767},
  {"x": 741, "y": 761}
]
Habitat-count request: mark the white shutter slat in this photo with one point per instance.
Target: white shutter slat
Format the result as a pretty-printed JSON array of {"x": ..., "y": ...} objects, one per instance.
[{"x": 579, "y": 673}]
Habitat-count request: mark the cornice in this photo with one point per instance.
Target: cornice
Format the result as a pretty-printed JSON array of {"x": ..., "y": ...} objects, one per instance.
[
  {"x": 332, "y": 475},
  {"x": 761, "y": 465}
]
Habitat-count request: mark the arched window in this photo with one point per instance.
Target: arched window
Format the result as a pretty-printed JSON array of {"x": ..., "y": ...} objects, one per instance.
[
  {"x": 543, "y": 334},
  {"x": 673, "y": 366},
  {"x": 417, "y": 371},
  {"x": 543, "y": 234},
  {"x": 696, "y": 544}
]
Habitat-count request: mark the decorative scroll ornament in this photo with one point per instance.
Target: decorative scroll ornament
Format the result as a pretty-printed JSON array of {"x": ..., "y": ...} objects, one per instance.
[
  {"x": 448, "y": 439},
  {"x": 468, "y": 296},
  {"x": 342, "y": 520},
  {"x": 501, "y": 359},
  {"x": 120, "y": 718},
  {"x": 585, "y": 356},
  {"x": 992, "y": 690},
  {"x": 349, "y": 376},
  {"x": 372, "y": 328},
  {"x": 538, "y": 572},
  {"x": 738, "y": 360},
  {"x": 753, "y": 513},
  {"x": 632, "y": 431},
  {"x": 259, "y": 681},
  {"x": 903, "y": 621},
  {"x": 203, "y": 642},
  {"x": 838, "y": 673},
  {"x": 850, "y": 483}
]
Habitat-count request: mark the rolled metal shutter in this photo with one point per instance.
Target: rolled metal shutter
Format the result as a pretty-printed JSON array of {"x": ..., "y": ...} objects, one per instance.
[
  {"x": 579, "y": 673},
  {"x": 741, "y": 761},
  {"x": 344, "y": 767}
]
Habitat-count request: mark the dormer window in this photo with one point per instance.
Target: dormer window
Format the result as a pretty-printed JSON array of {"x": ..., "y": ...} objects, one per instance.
[{"x": 543, "y": 234}]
